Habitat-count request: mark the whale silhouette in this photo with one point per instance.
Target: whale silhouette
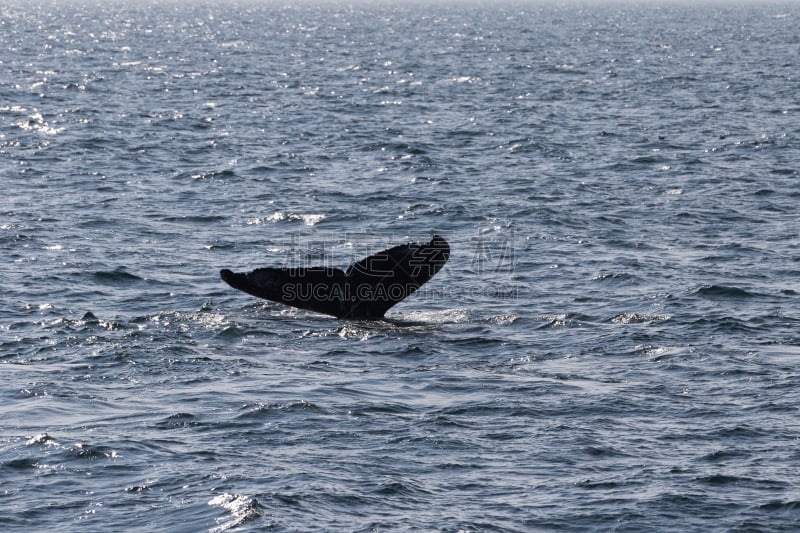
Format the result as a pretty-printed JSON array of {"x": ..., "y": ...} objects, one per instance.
[{"x": 366, "y": 290}]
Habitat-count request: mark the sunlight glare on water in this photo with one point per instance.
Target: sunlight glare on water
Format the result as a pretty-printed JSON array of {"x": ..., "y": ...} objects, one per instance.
[{"x": 612, "y": 344}]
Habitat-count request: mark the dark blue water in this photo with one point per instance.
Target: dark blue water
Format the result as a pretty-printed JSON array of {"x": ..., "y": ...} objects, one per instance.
[{"x": 613, "y": 345}]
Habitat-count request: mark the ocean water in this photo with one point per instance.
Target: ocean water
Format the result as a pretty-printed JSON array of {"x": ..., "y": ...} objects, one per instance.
[{"x": 613, "y": 345}]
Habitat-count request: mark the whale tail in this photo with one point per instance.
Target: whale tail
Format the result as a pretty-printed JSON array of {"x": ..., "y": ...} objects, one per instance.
[{"x": 368, "y": 288}]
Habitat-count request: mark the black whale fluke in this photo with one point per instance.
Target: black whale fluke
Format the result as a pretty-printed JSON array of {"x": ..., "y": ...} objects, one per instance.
[{"x": 366, "y": 290}]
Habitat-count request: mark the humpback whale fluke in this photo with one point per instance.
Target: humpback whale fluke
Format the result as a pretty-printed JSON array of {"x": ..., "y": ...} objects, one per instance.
[{"x": 366, "y": 290}]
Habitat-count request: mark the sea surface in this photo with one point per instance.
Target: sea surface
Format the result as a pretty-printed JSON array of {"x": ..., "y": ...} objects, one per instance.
[{"x": 614, "y": 344}]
